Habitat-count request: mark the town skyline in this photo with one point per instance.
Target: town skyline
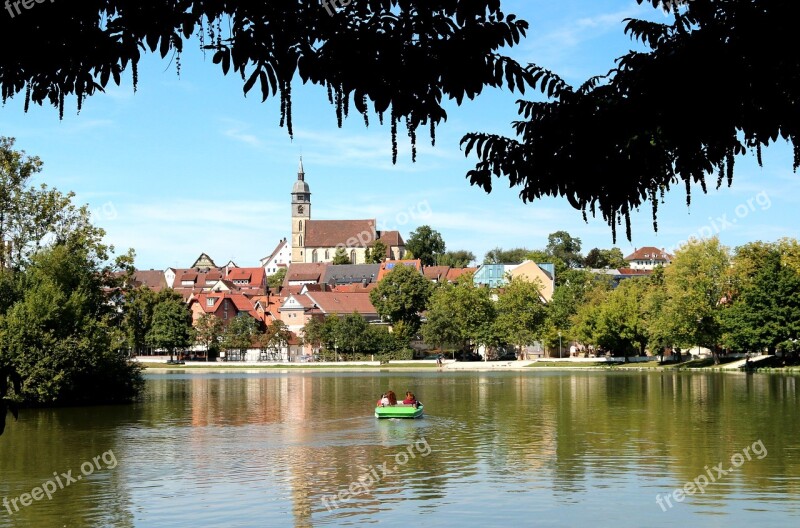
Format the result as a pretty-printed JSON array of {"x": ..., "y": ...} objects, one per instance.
[{"x": 188, "y": 165}]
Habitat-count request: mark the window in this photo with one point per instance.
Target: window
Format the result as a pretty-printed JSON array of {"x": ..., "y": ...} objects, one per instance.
[
  {"x": 210, "y": 301},
  {"x": 300, "y": 225},
  {"x": 301, "y": 241},
  {"x": 352, "y": 256},
  {"x": 327, "y": 254},
  {"x": 314, "y": 256}
]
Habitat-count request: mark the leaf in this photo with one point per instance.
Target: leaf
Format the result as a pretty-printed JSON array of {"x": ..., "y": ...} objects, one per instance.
[{"x": 252, "y": 80}]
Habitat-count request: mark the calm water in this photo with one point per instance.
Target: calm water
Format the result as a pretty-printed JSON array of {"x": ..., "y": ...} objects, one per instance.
[{"x": 494, "y": 449}]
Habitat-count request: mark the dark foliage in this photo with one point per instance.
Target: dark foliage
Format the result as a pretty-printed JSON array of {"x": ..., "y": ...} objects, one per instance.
[
  {"x": 721, "y": 79},
  {"x": 403, "y": 56}
]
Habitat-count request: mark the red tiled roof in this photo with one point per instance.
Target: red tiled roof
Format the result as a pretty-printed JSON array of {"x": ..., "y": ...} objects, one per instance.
[
  {"x": 153, "y": 279},
  {"x": 343, "y": 303},
  {"x": 389, "y": 265},
  {"x": 240, "y": 302},
  {"x": 649, "y": 253},
  {"x": 254, "y": 275},
  {"x": 435, "y": 272},
  {"x": 331, "y": 233},
  {"x": 455, "y": 273},
  {"x": 391, "y": 238},
  {"x": 294, "y": 289},
  {"x": 355, "y": 287},
  {"x": 631, "y": 271},
  {"x": 303, "y": 300},
  {"x": 302, "y": 271}
]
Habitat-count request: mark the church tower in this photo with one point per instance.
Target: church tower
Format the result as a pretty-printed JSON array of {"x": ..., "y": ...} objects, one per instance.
[{"x": 301, "y": 213}]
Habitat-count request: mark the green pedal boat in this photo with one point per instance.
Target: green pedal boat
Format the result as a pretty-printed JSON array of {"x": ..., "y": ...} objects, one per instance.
[{"x": 398, "y": 411}]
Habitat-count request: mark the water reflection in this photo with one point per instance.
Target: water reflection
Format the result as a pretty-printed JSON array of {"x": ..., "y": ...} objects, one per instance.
[{"x": 287, "y": 448}]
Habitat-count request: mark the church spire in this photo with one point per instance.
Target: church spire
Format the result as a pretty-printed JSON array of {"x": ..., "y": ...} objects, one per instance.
[{"x": 301, "y": 175}]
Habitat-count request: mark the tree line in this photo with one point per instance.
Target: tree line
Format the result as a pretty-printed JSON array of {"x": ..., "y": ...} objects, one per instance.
[{"x": 745, "y": 299}]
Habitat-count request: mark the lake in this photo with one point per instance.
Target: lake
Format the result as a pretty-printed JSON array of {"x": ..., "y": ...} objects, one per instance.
[{"x": 533, "y": 448}]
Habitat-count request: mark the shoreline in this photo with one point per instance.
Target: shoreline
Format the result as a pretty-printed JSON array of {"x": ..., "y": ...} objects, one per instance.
[{"x": 501, "y": 366}]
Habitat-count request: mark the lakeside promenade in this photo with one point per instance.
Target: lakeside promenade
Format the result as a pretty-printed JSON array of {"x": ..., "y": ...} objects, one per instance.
[{"x": 158, "y": 363}]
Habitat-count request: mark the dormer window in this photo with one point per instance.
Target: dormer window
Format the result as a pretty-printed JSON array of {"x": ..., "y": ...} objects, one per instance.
[{"x": 210, "y": 301}]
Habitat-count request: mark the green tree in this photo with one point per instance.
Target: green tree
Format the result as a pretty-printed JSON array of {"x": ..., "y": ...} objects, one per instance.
[
  {"x": 60, "y": 336},
  {"x": 352, "y": 332},
  {"x": 521, "y": 313},
  {"x": 275, "y": 281},
  {"x": 511, "y": 256},
  {"x": 426, "y": 244},
  {"x": 240, "y": 334},
  {"x": 376, "y": 253},
  {"x": 313, "y": 333},
  {"x": 379, "y": 340},
  {"x": 569, "y": 294},
  {"x": 275, "y": 337},
  {"x": 401, "y": 296},
  {"x": 565, "y": 248},
  {"x": 584, "y": 323},
  {"x": 654, "y": 312},
  {"x": 605, "y": 259},
  {"x": 460, "y": 314},
  {"x": 764, "y": 308},
  {"x": 323, "y": 332},
  {"x": 340, "y": 257},
  {"x": 456, "y": 259},
  {"x": 619, "y": 325},
  {"x": 32, "y": 218},
  {"x": 59, "y": 327},
  {"x": 207, "y": 330},
  {"x": 171, "y": 328},
  {"x": 137, "y": 319},
  {"x": 696, "y": 282}
]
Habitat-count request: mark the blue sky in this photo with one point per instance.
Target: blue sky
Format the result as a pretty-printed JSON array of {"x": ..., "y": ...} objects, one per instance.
[{"x": 188, "y": 164}]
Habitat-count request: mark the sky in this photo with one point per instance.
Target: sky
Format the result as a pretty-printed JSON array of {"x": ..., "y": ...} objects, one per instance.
[{"x": 187, "y": 164}]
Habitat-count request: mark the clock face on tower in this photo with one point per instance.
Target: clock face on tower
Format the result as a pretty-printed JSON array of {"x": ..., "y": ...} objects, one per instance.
[{"x": 300, "y": 209}]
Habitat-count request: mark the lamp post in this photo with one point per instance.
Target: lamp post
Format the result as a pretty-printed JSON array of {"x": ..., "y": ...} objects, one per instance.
[{"x": 559, "y": 344}]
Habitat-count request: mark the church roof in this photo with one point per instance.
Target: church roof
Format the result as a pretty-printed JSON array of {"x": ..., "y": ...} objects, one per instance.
[
  {"x": 300, "y": 186},
  {"x": 332, "y": 233},
  {"x": 391, "y": 238}
]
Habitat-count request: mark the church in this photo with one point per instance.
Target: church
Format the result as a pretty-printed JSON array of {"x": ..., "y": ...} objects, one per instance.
[{"x": 318, "y": 240}]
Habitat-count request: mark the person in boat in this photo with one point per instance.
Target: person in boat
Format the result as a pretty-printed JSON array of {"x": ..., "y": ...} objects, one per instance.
[
  {"x": 411, "y": 399},
  {"x": 382, "y": 401},
  {"x": 392, "y": 399}
]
